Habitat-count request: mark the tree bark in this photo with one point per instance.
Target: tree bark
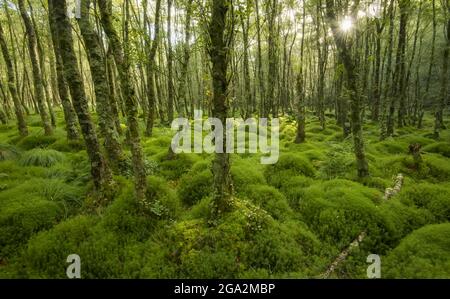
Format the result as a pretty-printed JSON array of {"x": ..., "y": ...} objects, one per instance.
[
  {"x": 37, "y": 76},
  {"x": 100, "y": 171}
]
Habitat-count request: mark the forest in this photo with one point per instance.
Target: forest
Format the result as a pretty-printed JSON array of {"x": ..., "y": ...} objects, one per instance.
[{"x": 350, "y": 98}]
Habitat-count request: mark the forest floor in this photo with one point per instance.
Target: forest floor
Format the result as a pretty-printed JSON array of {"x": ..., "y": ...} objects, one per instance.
[{"x": 291, "y": 219}]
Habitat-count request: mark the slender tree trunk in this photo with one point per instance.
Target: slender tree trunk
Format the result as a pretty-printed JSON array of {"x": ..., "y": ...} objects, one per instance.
[
  {"x": 151, "y": 65},
  {"x": 100, "y": 171},
  {"x": 121, "y": 57},
  {"x": 69, "y": 113},
  {"x": 37, "y": 77},
  {"x": 97, "y": 63},
  {"x": 21, "y": 123},
  {"x": 443, "y": 96},
  {"x": 344, "y": 51},
  {"x": 219, "y": 51},
  {"x": 170, "y": 87}
]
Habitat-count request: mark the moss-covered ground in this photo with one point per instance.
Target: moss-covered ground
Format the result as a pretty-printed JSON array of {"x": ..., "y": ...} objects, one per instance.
[{"x": 290, "y": 219}]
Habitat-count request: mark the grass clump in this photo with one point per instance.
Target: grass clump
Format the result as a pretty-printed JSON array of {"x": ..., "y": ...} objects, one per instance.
[
  {"x": 41, "y": 157},
  {"x": 442, "y": 148},
  {"x": 36, "y": 141},
  {"x": 8, "y": 152}
]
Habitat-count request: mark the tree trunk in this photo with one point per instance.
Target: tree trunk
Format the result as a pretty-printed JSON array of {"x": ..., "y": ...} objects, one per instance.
[
  {"x": 344, "y": 51},
  {"x": 219, "y": 51},
  {"x": 121, "y": 57},
  {"x": 100, "y": 171},
  {"x": 97, "y": 63},
  {"x": 21, "y": 123},
  {"x": 37, "y": 77}
]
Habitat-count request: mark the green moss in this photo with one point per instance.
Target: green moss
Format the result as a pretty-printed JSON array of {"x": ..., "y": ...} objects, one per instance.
[
  {"x": 47, "y": 252},
  {"x": 442, "y": 148},
  {"x": 270, "y": 199},
  {"x": 422, "y": 254},
  {"x": 21, "y": 218},
  {"x": 288, "y": 165},
  {"x": 195, "y": 186},
  {"x": 435, "y": 198},
  {"x": 173, "y": 169}
]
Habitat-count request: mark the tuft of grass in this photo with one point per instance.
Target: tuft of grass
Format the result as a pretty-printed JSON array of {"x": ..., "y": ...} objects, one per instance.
[
  {"x": 41, "y": 157},
  {"x": 36, "y": 141},
  {"x": 8, "y": 152}
]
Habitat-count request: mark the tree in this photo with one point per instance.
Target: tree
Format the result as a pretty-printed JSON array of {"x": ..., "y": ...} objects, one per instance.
[
  {"x": 37, "y": 75},
  {"x": 122, "y": 60},
  {"x": 97, "y": 63},
  {"x": 100, "y": 171},
  {"x": 219, "y": 54},
  {"x": 21, "y": 122},
  {"x": 343, "y": 46}
]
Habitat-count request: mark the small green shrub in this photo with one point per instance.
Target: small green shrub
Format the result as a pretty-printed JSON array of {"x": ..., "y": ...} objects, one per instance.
[
  {"x": 64, "y": 145},
  {"x": 173, "y": 169},
  {"x": 41, "y": 157},
  {"x": 47, "y": 252},
  {"x": 439, "y": 167},
  {"x": 338, "y": 162}
]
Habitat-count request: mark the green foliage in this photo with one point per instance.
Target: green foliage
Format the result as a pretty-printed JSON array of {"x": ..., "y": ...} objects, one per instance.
[
  {"x": 195, "y": 186},
  {"x": 270, "y": 199},
  {"x": 442, "y": 148},
  {"x": 23, "y": 217},
  {"x": 173, "y": 169},
  {"x": 8, "y": 152},
  {"x": 338, "y": 162},
  {"x": 41, "y": 157},
  {"x": 435, "y": 199},
  {"x": 36, "y": 141},
  {"x": 422, "y": 254},
  {"x": 288, "y": 165},
  {"x": 64, "y": 145}
]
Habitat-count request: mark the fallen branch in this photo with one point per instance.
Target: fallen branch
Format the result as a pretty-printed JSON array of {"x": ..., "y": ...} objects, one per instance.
[
  {"x": 389, "y": 192},
  {"x": 341, "y": 257}
]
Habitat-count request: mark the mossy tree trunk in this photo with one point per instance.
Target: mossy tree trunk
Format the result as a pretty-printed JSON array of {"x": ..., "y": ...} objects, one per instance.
[
  {"x": 21, "y": 122},
  {"x": 443, "y": 96},
  {"x": 219, "y": 52},
  {"x": 101, "y": 174},
  {"x": 182, "y": 86},
  {"x": 343, "y": 46},
  {"x": 151, "y": 65},
  {"x": 170, "y": 88},
  {"x": 121, "y": 57},
  {"x": 69, "y": 113},
  {"x": 97, "y": 63},
  {"x": 37, "y": 75}
]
